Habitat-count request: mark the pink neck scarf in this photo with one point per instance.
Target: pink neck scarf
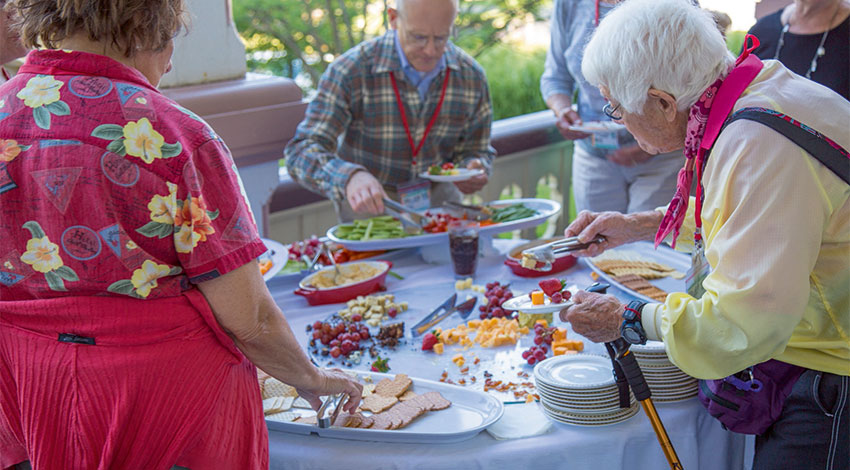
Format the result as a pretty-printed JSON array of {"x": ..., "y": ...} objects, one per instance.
[
  {"x": 697, "y": 143},
  {"x": 697, "y": 120}
]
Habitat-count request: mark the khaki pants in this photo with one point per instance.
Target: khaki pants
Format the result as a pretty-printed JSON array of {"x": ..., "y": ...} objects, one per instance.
[{"x": 440, "y": 193}]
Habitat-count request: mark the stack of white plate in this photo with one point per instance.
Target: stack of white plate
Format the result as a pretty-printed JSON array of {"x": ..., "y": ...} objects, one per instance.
[
  {"x": 580, "y": 389},
  {"x": 667, "y": 382}
]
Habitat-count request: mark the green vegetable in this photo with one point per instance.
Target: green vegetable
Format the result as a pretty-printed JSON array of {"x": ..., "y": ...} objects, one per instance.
[
  {"x": 377, "y": 228},
  {"x": 512, "y": 212},
  {"x": 293, "y": 266}
]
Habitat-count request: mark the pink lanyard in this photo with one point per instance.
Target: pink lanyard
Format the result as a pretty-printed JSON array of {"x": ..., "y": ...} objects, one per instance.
[
  {"x": 596, "y": 18},
  {"x": 416, "y": 148},
  {"x": 747, "y": 67}
]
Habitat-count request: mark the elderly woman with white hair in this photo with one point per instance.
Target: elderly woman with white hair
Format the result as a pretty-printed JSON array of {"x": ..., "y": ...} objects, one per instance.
[{"x": 768, "y": 304}]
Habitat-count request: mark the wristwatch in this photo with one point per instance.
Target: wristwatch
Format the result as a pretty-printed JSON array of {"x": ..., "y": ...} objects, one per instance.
[{"x": 632, "y": 328}]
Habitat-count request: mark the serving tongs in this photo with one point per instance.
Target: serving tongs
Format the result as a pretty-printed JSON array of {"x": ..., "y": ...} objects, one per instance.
[
  {"x": 411, "y": 221},
  {"x": 477, "y": 213},
  {"x": 336, "y": 401},
  {"x": 546, "y": 253}
]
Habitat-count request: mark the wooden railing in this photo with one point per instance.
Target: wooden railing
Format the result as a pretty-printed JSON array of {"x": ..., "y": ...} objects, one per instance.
[{"x": 531, "y": 156}]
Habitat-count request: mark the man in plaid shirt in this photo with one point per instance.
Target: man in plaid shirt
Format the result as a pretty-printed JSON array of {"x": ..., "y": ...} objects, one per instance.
[
  {"x": 10, "y": 47},
  {"x": 353, "y": 146}
]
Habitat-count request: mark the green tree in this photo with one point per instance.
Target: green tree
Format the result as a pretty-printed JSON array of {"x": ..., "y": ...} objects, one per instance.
[{"x": 301, "y": 37}]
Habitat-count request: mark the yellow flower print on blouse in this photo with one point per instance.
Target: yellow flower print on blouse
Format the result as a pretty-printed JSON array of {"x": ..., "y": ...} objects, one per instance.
[
  {"x": 41, "y": 90},
  {"x": 42, "y": 255},
  {"x": 141, "y": 140},
  {"x": 186, "y": 239},
  {"x": 145, "y": 278},
  {"x": 164, "y": 208}
]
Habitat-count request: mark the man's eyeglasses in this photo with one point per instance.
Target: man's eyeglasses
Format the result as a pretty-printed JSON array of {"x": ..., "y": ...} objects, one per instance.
[
  {"x": 612, "y": 112},
  {"x": 420, "y": 40}
]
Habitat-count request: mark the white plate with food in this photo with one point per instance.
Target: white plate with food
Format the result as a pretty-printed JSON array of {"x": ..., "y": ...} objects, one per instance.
[
  {"x": 470, "y": 412},
  {"x": 277, "y": 254},
  {"x": 524, "y": 304},
  {"x": 598, "y": 127},
  {"x": 451, "y": 176},
  {"x": 544, "y": 209},
  {"x": 674, "y": 265}
]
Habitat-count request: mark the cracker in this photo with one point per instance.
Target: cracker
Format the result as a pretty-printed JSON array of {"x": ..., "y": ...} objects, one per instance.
[
  {"x": 408, "y": 395},
  {"x": 275, "y": 388},
  {"x": 377, "y": 403},
  {"x": 308, "y": 420},
  {"x": 367, "y": 422},
  {"x": 368, "y": 389},
  {"x": 381, "y": 421},
  {"x": 437, "y": 401},
  {"x": 300, "y": 402},
  {"x": 285, "y": 417},
  {"x": 394, "y": 388},
  {"x": 275, "y": 405}
]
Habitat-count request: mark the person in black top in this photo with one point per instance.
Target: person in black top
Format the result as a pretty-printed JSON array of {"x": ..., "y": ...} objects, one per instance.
[{"x": 812, "y": 38}]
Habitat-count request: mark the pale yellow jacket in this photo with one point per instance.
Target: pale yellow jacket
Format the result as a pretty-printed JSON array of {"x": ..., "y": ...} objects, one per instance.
[{"x": 776, "y": 225}]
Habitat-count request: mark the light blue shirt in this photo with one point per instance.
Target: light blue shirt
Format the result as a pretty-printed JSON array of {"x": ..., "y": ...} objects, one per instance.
[{"x": 421, "y": 80}]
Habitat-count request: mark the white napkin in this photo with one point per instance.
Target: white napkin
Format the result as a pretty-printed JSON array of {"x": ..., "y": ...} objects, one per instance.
[{"x": 520, "y": 421}]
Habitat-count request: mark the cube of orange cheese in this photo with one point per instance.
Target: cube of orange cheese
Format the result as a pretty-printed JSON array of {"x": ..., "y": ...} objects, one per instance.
[
  {"x": 458, "y": 359},
  {"x": 559, "y": 334},
  {"x": 537, "y": 298},
  {"x": 438, "y": 348}
]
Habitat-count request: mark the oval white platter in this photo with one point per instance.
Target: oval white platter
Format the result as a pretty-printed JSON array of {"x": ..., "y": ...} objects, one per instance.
[
  {"x": 470, "y": 413},
  {"x": 544, "y": 207}
]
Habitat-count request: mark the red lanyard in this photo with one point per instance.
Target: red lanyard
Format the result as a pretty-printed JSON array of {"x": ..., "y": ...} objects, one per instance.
[
  {"x": 417, "y": 148},
  {"x": 596, "y": 18}
]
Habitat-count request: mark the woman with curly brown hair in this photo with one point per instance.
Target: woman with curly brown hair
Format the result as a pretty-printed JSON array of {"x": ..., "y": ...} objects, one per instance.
[{"x": 132, "y": 310}]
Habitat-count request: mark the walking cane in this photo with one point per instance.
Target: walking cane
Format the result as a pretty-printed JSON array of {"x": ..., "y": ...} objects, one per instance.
[{"x": 627, "y": 373}]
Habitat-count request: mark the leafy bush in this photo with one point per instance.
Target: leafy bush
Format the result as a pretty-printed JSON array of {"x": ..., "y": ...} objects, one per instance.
[{"x": 514, "y": 77}]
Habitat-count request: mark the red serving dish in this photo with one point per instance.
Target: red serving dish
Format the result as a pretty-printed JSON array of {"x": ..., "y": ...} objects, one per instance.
[
  {"x": 514, "y": 260},
  {"x": 334, "y": 295}
]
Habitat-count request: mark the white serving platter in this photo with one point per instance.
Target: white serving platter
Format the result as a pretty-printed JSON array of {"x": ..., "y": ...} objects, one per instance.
[
  {"x": 664, "y": 255},
  {"x": 544, "y": 207},
  {"x": 470, "y": 413},
  {"x": 598, "y": 127},
  {"x": 463, "y": 174},
  {"x": 523, "y": 303},
  {"x": 278, "y": 253}
]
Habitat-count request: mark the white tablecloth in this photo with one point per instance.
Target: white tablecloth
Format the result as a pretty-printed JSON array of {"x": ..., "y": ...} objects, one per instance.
[{"x": 699, "y": 440}]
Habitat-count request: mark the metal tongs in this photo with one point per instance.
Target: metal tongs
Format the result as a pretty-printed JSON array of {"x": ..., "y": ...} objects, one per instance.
[
  {"x": 412, "y": 221},
  {"x": 335, "y": 400},
  {"x": 478, "y": 213},
  {"x": 546, "y": 253}
]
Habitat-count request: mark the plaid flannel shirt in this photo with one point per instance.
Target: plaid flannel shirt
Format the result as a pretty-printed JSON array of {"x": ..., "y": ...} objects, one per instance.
[{"x": 356, "y": 101}]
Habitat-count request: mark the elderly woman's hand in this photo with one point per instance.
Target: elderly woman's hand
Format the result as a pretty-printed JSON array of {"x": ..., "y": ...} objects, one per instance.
[
  {"x": 618, "y": 229},
  {"x": 330, "y": 382},
  {"x": 596, "y": 317}
]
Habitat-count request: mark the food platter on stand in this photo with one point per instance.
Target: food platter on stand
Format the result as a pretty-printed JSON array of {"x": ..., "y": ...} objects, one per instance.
[{"x": 544, "y": 210}]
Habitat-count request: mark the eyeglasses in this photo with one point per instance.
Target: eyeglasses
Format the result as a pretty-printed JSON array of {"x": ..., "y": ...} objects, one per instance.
[
  {"x": 421, "y": 41},
  {"x": 612, "y": 112}
]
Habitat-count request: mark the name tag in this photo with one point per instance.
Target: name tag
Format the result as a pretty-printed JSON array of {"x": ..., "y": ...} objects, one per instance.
[
  {"x": 700, "y": 269},
  {"x": 606, "y": 140},
  {"x": 415, "y": 194}
]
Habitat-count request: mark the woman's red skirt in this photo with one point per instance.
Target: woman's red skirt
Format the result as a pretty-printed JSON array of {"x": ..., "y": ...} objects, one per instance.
[{"x": 162, "y": 385}]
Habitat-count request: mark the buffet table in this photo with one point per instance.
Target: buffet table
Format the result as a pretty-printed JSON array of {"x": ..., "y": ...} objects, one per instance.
[{"x": 699, "y": 440}]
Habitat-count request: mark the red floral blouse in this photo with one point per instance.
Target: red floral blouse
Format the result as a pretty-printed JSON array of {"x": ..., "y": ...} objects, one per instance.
[{"x": 107, "y": 187}]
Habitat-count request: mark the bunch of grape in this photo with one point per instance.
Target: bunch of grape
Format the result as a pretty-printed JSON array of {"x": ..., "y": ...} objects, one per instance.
[
  {"x": 342, "y": 337},
  {"x": 496, "y": 294},
  {"x": 542, "y": 338}
]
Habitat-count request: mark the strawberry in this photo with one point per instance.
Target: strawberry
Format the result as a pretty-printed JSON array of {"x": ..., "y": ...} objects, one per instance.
[
  {"x": 380, "y": 365},
  {"x": 550, "y": 286},
  {"x": 428, "y": 341}
]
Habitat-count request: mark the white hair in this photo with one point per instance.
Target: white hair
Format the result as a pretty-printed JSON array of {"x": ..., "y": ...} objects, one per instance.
[{"x": 669, "y": 45}]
